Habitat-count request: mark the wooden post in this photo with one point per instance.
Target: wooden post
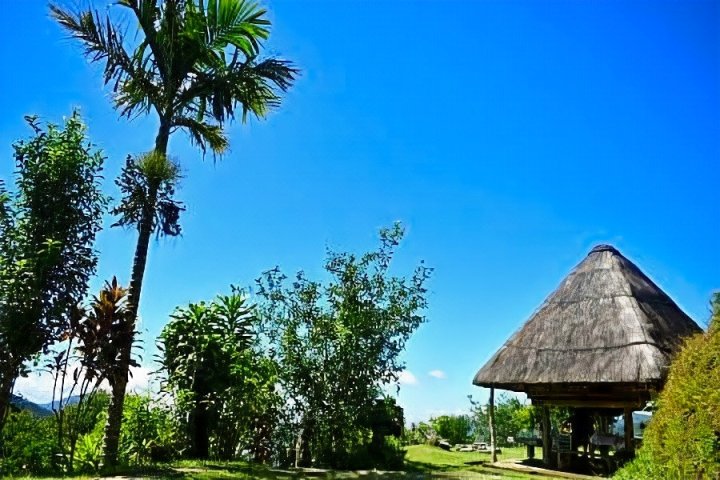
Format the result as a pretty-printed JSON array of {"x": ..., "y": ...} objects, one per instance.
[
  {"x": 629, "y": 431},
  {"x": 546, "y": 438},
  {"x": 491, "y": 415}
]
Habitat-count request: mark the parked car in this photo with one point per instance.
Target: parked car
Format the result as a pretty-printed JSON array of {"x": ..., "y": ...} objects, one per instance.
[{"x": 640, "y": 421}]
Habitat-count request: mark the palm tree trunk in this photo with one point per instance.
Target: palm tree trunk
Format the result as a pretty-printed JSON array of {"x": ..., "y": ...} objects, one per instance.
[{"x": 117, "y": 402}]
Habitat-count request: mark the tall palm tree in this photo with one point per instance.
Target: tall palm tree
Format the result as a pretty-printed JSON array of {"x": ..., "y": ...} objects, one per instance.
[{"x": 194, "y": 63}]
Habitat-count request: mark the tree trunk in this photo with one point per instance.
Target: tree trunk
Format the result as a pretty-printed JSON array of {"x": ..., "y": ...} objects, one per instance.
[
  {"x": 7, "y": 381},
  {"x": 491, "y": 415},
  {"x": 306, "y": 444},
  {"x": 200, "y": 432},
  {"x": 117, "y": 402},
  {"x": 114, "y": 422}
]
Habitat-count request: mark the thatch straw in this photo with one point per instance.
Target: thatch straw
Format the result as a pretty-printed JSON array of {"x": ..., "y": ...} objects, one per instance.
[{"x": 607, "y": 323}]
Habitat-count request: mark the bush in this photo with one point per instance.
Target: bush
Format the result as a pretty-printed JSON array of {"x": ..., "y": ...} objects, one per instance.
[
  {"x": 683, "y": 438},
  {"x": 642, "y": 468},
  {"x": 148, "y": 432},
  {"x": 28, "y": 444},
  {"x": 89, "y": 448}
]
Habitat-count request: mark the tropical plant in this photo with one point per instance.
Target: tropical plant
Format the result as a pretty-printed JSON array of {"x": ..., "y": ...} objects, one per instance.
[
  {"x": 222, "y": 387},
  {"x": 149, "y": 432},
  {"x": 47, "y": 231},
  {"x": 94, "y": 342},
  {"x": 193, "y": 63},
  {"x": 338, "y": 344}
]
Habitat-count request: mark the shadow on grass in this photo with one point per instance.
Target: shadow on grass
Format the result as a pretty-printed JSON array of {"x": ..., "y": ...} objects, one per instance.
[
  {"x": 439, "y": 467},
  {"x": 155, "y": 471}
]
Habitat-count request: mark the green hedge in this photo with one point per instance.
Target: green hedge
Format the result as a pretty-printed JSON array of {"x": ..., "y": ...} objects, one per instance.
[{"x": 683, "y": 439}]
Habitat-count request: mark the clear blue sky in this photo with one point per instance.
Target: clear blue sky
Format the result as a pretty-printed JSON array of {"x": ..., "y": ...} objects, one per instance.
[{"x": 509, "y": 137}]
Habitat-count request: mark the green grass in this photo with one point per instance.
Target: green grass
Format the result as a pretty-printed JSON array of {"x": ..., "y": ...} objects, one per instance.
[
  {"x": 436, "y": 462},
  {"x": 423, "y": 462},
  {"x": 428, "y": 458}
]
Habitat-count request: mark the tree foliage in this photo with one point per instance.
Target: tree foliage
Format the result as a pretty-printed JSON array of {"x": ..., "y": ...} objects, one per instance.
[
  {"x": 683, "y": 438},
  {"x": 223, "y": 387},
  {"x": 338, "y": 343},
  {"x": 511, "y": 418},
  {"x": 47, "y": 232},
  {"x": 456, "y": 429}
]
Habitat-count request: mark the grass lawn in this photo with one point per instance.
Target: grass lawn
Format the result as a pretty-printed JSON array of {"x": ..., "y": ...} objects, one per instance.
[
  {"x": 433, "y": 459},
  {"x": 423, "y": 462}
]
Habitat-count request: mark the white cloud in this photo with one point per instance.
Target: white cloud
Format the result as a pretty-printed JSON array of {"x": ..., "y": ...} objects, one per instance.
[
  {"x": 437, "y": 374},
  {"x": 407, "y": 378},
  {"x": 38, "y": 386},
  {"x": 140, "y": 380}
]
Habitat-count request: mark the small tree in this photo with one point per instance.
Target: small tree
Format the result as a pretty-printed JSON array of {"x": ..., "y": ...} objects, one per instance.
[
  {"x": 223, "y": 386},
  {"x": 337, "y": 344},
  {"x": 511, "y": 418},
  {"x": 47, "y": 231},
  {"x": 453, "y": 428}
]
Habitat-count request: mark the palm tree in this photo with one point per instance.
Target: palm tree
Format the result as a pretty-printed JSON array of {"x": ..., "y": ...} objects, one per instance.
[{"x": 193, "y": 63}]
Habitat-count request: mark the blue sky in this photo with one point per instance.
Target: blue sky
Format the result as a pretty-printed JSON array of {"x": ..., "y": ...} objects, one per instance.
[{"x": 509, "y": 138}]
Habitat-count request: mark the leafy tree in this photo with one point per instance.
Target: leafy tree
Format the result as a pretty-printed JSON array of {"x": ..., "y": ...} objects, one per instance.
[
  {"x": 221, "y": 384},
  {"x": 47, "y": 231},
  {"x": 511, "y": 418},
  {"x": 420, "y": 433},
  {"x": 193, "y": 63},
  {"x": 27, "y": 444},
  {"x": 337, "y": 344},
  {"x": 683, "y": 438},
  {"x": 453, "y": 428}
]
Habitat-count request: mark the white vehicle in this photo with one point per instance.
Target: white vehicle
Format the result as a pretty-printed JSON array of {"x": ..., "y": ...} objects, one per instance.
[{"x": 640, "y": 421}]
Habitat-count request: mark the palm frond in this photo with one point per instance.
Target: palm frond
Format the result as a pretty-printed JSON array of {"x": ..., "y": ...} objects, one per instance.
[
  {"x": 133, "y": 86},
  {"x": 235, "y": 22},
  {"x": 252, "y": 87},
  {"x": 204, "y": 134}
]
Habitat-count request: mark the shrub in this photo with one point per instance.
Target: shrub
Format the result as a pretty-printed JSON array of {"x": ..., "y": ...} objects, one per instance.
[
  {"x": 28, "y": 444},
  {"x": 683, "y": 438},
  {"x": 148, "y": 431},
  {"x": 89, "y": 448}
]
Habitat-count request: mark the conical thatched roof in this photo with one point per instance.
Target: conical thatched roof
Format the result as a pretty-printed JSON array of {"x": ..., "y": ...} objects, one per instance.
[{"x": 607, "y": 323}]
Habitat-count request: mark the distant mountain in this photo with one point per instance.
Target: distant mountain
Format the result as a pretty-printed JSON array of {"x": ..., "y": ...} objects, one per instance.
[
  {"x": 70, "y": 401},
  {"x": 24, "y": 404}
]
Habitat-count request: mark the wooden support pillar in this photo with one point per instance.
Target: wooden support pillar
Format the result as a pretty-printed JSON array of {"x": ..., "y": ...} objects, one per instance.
[
  {"x": 546, "y": 438},
  {"x": 491, "y": 416},
  {"x": 629, "y": 431}
]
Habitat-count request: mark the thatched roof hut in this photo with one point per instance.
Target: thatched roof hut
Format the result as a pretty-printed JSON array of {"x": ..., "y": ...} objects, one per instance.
[{"x": 604, "y": 338}]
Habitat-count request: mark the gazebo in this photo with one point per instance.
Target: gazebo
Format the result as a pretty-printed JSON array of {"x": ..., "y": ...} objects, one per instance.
[{"x": 603, "y": 340}]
